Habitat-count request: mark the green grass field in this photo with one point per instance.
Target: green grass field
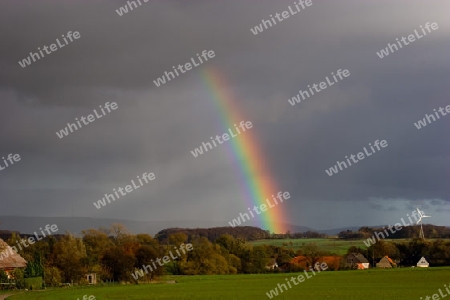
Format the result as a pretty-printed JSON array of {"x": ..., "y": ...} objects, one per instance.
[
  {"x": 335, "y": 246},
  {"x": 398, "y": 284}
]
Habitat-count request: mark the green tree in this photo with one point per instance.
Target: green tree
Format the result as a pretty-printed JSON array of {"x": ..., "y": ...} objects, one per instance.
[
  {"x": 35, "y": 267},
  {"x": 3, "y": 277},
  {"x": 258, "y": 259},
  {"x": 18, "y": 276},
  {"x": 205, "y": 259}
]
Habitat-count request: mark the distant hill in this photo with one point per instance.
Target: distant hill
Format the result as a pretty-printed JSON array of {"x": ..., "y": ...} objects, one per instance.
[
  {"x": 26, "y": 224},
  {"x": 248, "y": 233},
  {"x": 296, "y": 228},
  {"x": 77, "y": 224},
  {"x": 335, "y": 231}
]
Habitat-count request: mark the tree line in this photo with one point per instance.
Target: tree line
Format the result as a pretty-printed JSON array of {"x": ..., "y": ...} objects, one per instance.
[
  {"x": 408, "y": 253},
  {"x": 407, "y": 232},
  {"x": 114, "y": 254}
]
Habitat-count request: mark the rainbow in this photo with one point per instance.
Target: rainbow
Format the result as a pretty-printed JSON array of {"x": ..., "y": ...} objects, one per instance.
[{"x": 255, "y": 179}]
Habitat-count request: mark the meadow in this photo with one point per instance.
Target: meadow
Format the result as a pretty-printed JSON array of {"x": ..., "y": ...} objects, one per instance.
[
  {"x": 331, "y": 245},
  {"x": 398, "y": 284},
  {"x": 336, "y": 246}
]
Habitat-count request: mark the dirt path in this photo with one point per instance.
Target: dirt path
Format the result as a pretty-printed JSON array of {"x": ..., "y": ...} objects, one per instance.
[{"x": 3, "y": 297}]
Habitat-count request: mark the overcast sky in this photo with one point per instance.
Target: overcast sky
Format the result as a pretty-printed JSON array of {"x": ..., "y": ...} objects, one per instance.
[{"x": 155, "y": 128}]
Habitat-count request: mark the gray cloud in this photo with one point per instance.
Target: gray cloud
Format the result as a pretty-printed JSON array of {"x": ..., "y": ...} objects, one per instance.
[{"x": 154, "y": 129}]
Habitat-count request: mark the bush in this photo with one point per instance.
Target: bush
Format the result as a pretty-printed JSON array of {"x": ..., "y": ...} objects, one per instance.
[
  {"x": 52, "y": 276},
  {"x": 3, "y": 277},
  {"x": 34, "y": 283},
  {"x": 18, "y": 275},
  {"x": 83, "y": 281}
]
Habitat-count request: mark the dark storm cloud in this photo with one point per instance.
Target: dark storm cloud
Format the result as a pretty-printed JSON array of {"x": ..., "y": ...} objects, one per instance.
[{"x": 154, "y": 129}]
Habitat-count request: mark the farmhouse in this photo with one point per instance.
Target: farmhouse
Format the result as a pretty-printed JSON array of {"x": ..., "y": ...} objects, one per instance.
[
  {"x": 386, "y": 263},
  {"x": 423, "y": 263},
  {"x": 357, "y": 261},
  {"x": 10, "y": 259}
]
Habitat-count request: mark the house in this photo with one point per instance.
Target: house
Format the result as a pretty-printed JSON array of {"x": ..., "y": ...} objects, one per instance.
[
  {"x": 91, "y": 278},
  {"x": 411, "y": 260},
  {"x": 386, "y": 263},
  {"x": 357, "y": 261},
  {"x": 423, "y": 263},
  {"x": 10, "y": 259}
]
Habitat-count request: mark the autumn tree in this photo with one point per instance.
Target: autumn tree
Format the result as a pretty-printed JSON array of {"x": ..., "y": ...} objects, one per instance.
[
  {"x": 312, "y": 253},
  {"x": 119, "y": 264},
  {"x": 68, "y": 256},
  {"x": 144, "y": 256},
  {"x": 176, "y": 239},
  {"x": 52, "y": 276},
  {"x": 382, "y": 248},
  {"x": 205, "y": 259},
  {"x": 146, "y": 239}
]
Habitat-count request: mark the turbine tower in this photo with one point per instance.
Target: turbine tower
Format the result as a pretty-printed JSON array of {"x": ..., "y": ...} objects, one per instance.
[{"x": 421, "y": 216}]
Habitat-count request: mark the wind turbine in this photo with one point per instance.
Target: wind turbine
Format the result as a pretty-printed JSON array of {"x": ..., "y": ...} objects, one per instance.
[{"x": 421, "y": 216}]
